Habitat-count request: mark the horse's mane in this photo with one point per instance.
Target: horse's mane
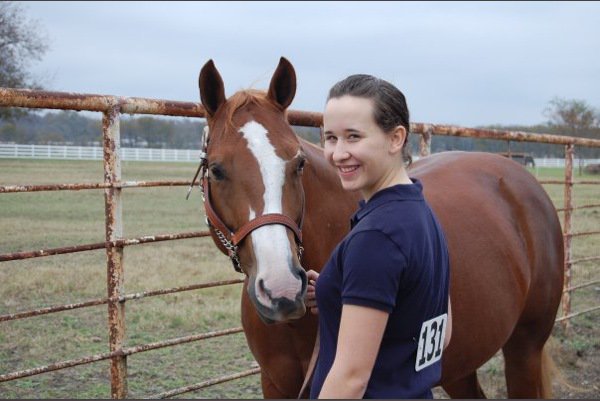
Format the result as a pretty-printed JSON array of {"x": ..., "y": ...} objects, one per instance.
[
  {"x": 254, "y": 96},
  {"x": 244, "y": 98}
]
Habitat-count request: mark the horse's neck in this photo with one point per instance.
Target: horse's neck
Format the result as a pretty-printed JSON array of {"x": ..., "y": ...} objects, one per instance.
[
  {"x": 320, "y": 176},
  {"x": 328, "y": 208},
  {"x": 322, "y": 179}
]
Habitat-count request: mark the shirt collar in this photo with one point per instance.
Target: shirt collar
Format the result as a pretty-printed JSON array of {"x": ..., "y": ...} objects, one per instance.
[{"x": 397, "y": 192}]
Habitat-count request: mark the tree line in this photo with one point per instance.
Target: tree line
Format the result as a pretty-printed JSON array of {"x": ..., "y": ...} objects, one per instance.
[{"x": 72, "y": 128}]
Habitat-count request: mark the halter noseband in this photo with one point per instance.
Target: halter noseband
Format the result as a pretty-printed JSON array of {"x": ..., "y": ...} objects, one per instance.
[{"x": 228, "y": 238}]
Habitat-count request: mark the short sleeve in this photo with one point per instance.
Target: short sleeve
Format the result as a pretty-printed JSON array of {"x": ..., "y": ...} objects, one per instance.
[{"x": 373, "y": 267}]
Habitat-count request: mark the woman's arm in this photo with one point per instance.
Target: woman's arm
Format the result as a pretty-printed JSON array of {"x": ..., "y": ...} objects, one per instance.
[{"x": 359, "y": 339}]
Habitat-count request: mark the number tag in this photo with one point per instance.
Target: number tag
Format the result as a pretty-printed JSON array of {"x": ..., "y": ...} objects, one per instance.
[{"x": 431, "y": 341}]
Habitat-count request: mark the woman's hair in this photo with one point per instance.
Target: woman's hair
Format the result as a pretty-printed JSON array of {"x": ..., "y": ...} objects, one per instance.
[{"x": 390, "y": 109}]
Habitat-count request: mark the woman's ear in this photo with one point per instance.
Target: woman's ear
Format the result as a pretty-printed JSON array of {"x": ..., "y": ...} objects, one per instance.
[{"x": 397, "y": 138}]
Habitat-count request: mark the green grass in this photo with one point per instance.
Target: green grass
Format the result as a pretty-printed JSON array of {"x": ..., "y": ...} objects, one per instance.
[{"x": 32, "y": 221}]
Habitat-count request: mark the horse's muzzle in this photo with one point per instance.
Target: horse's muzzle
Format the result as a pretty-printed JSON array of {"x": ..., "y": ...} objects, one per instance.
[{"x": 273, "y": 309}]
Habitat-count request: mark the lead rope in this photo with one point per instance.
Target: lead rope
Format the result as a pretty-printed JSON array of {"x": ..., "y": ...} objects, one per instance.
[
  {"x": 311, "y": 367},
  {"x": 203, "y": 162}
]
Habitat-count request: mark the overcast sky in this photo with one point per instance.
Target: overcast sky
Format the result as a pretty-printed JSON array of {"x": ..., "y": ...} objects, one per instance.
[{"x": 464, "y": 63}]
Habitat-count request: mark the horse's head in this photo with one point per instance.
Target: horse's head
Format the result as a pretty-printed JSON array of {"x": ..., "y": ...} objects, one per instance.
[{"x": 253, "y": 192}]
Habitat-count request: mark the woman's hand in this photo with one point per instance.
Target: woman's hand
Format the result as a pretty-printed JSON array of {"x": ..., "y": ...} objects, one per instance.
[{"x": 309, "y": 299}]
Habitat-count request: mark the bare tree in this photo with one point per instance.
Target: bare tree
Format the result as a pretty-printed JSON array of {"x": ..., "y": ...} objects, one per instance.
[
  {"x": 577, "y": 118},
  {"x": 574, "y": 115},
  {"x": 21, "y": 43}
]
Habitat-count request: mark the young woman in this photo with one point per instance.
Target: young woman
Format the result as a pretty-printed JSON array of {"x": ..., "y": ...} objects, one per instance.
[{"x": 382, "y": 298}]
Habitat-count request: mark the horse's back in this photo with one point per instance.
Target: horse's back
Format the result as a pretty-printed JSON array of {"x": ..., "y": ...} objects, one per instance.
[{"x": 506, "y": 251}]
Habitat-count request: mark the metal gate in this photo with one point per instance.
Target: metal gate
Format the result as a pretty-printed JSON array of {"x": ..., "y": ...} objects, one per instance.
[{"x": 112, "y": 107}]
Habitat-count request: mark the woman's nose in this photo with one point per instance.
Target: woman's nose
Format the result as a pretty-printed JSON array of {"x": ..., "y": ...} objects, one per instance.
[{"x": 340, "y": 153}]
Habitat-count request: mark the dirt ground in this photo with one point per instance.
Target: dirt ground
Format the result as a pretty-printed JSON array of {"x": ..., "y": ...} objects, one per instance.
[{"x": 577, "y": 357}]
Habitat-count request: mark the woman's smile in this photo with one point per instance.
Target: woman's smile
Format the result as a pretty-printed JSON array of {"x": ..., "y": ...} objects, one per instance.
[{"x": 347, "y": 171}]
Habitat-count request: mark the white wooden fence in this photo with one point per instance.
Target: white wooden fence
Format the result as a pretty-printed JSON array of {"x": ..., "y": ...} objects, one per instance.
[
  {"x": 169, "y": 155},
  {"x": 95, "y": 153}
]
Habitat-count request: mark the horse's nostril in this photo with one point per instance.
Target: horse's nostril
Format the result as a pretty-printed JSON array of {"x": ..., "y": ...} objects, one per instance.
[
  {"x": 302, "y": 275},
  {"x": 261, "y": 289}
]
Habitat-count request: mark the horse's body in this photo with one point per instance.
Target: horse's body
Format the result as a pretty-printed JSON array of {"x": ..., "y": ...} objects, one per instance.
[
  {"x": 504, "y": 239},
  {"x": 506, "y": 277}
]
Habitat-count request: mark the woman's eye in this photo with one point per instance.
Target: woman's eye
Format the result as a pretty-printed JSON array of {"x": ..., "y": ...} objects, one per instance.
[
  {"x": 217, "y": 172},
  {"x": 353, "y": 137},
  {"x": 330, "y": 138}
]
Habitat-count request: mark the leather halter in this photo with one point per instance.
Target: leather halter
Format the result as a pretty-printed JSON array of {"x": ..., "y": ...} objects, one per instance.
[{"x": 228, "y": 238}]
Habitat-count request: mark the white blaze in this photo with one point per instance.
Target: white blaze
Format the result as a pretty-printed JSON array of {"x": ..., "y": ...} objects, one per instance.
[{"x": 270, "y": 242}]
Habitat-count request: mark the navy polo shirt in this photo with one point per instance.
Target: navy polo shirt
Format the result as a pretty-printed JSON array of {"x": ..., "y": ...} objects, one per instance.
[{"x": 394, "y": 259}]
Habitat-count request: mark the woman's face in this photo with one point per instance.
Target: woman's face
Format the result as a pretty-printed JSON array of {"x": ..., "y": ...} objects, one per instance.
[{"x": 366, "y": 158}]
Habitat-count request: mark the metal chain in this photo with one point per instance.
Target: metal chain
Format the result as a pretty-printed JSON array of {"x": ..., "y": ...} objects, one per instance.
[{"x": 231, "y": 248}]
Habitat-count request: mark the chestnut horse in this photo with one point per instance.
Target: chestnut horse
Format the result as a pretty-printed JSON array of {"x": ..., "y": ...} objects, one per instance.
[{"x": 269, "y": 194}]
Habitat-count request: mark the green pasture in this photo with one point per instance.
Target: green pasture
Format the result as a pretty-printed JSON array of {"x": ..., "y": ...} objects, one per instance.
[{"x": 40, "y": 220}]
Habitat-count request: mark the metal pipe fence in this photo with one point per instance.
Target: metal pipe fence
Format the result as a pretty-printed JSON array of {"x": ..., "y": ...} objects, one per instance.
[{"x": 112, "y": 107}]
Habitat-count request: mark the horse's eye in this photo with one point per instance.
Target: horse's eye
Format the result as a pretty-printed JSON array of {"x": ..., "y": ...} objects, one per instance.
[
  {"x": 301, "y": 165},
  {"x": 217, "y": 172}
]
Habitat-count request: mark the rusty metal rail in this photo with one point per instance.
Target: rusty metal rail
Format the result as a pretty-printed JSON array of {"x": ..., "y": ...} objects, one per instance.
[
  {"x": 576, "y": 287},
  {"x": 581, "y": 233},
  {"x": 115, "y": 243},
  {"x": 112, "y": 107},
  {"x": 572, "y": 315},
  {"x": 588, "y": 259},
  {"x": 579, "y": 207},
  {"x": 207, "y": 383},
  {"x": 10, "y": 97},
  {"x": 124, "y": 298},
  {"x": 98, "y": 185},
  {"x": 565, "y": 182},
  {"x": 514, "y": 136},
  {"x": 121, "y": 352}
]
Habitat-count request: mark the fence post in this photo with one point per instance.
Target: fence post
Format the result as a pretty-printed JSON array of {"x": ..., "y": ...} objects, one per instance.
[
  {"x": 568, "y": 205},
  {"x": 114, "y": 254},
  {"x": 425, "y": 143}
]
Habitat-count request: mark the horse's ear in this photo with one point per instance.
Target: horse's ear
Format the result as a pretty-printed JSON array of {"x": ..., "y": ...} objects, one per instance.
[
  {"x": 212, "y": 90},
  {"x": 283, "y": 84}
]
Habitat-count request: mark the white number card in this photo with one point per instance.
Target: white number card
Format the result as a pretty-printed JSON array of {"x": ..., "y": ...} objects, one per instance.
[{"x": 431, "y": 341}]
